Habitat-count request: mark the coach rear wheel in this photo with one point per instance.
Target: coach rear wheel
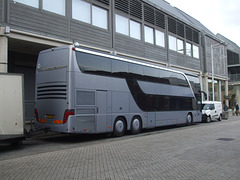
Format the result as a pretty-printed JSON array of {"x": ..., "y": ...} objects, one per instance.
[
  {"x": 189, "y": 119},
  {"x": 136, "y": 125},
  {"x": 119, "y": 127}
]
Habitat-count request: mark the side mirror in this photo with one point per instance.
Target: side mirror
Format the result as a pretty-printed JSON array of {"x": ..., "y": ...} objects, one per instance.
[{"x": 205, "y": 94}]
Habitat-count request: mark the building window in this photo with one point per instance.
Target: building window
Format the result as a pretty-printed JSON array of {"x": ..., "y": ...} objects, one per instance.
[
  {"x": 55, "y": 6},
  {"x": 85, "y": 12},
  {"x": 33, "y": 3},
  {"x": 172, "y": 43},
  {"x": 148, "y": 34},
  {"x": 99, "y": 17},
  {"x": 122, "y": 26},
  {"x": 195, "y": 51},
  {"x": 188, "y": 49},
  {"x": 135, "y": 30},
  {"x": 160, "y": 39},
  {"x": 128, "y": 27},
  {"x": 180, "y": 48},
  {"x": 81, "y": 11},
  {"x": 176, "y": 44}
]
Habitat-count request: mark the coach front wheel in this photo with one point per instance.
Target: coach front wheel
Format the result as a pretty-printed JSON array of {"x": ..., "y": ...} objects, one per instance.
[
  {"x": 119, "y": 127},
  {"x": 189, "y": 119}
]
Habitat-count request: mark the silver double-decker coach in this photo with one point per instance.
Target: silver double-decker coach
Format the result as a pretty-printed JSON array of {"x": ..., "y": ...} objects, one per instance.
[{"x": 79, "y": 90}]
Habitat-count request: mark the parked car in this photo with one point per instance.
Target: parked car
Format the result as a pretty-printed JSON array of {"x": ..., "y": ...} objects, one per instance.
[{"x": 211, "y": 110}]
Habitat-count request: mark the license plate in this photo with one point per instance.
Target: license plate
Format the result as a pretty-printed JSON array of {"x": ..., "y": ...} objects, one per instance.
[{"x": 50, "y": 116}]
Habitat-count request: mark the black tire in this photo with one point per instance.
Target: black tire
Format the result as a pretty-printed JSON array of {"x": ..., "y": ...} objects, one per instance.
[
  {"x": 189, "y": 119},
  {"x": 119, "y": 127},
  {"x": 136, "y": 125},
  {"x": 220, "y": 118},
  {"x": 208, "y": 120}
]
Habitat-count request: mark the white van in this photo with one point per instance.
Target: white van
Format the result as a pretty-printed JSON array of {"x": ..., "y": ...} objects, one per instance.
[{"x": 211, "y": 110}]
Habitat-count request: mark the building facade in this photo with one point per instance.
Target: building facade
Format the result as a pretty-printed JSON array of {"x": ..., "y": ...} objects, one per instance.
[
  {"x": 148, "y": 30},
  {"x": 233, "y": 53}
]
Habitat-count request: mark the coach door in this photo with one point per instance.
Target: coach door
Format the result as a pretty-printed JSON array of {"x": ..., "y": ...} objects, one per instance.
[
  {"x": 101, "y": 108},
  {"x": 151, "y": 119}
]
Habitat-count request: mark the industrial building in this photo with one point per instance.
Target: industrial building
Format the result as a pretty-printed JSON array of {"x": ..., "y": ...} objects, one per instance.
[
  {"x": 233, "y": 52},
  {"x": 148, "y": 30}
]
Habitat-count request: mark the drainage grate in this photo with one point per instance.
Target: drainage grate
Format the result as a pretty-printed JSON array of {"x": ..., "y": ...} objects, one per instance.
[{"x": 225, "y": 139}]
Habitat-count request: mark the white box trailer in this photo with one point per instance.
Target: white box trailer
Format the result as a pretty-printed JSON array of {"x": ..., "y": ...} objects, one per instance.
[{"x": 11, "y": 108}]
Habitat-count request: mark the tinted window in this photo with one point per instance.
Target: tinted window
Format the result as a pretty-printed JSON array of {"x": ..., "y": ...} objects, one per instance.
[
  {"x": 135, "y": 69},
  {"x": 147, "y": 71},
  {"x": 90, "y": 63},
  {"x": 119, "y": 68},
  {"x": 155, "y": 102},
  {"x": 194, "y": 81},
  {"x": 179, "y": 80},
  {"x": 93, "y": 63},
  {"x": 85, "y": 98}
]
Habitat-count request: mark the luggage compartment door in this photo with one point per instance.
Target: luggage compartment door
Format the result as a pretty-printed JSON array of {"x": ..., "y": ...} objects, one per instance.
[{"x": 101, "y": 111}]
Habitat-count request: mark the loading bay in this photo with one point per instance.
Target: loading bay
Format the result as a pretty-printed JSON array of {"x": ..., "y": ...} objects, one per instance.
[{"x": 201, "y": 151}]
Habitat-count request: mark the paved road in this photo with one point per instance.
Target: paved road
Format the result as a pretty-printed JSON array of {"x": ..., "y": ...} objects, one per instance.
[{"x": 202, "y": 151}]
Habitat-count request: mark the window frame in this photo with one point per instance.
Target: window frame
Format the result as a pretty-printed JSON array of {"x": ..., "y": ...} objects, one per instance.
[
  {"x": 172, "y": 43},
  {"x": 105, "y": 14},
  {"x": 139, "y": 35},
  {"x": 198, "y": 52},
  {"x": 189, "y": 54},
  {"x": 147, "y": 37},
  {"x": 91, "y": 16},
  {"x": 126, "y": 29},
  {"x": 88, "y": 20},
  {"x": 55, "y": 12},
  {"x": 128, "y": 26},
  {"x": 156, "y": 38},
  {"x": 182, "y": 50},
  {"x": 27, "y": 4}
]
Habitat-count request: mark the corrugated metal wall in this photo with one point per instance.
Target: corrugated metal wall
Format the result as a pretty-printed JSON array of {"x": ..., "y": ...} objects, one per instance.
[
  {"x": 46, "y": 23},
  {"x": 88, "y": 34},
  {"x": 41, "y": 22},
  {"x": 31, "y": 19}
]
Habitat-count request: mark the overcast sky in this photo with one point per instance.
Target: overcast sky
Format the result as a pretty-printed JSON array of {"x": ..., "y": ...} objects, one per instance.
[{"x": 219, "y": 16}]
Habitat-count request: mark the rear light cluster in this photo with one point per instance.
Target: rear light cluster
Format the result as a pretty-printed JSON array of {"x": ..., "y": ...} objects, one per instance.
[
  {"x": 67, "y": 113},
  {"x": 36, "y": 114}
]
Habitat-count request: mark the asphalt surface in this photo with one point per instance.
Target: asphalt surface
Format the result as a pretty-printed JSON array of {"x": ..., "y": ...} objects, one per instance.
[{"x": 201, "y": 151}]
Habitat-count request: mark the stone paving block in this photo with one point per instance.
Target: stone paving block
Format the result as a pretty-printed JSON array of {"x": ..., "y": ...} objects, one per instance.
[{"x": 182, "y": 153}]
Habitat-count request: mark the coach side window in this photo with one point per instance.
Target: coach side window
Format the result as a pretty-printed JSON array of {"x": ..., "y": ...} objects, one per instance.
[
  {"x": 136, "y": 69},
  {"x": 93, "y": 63}
]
